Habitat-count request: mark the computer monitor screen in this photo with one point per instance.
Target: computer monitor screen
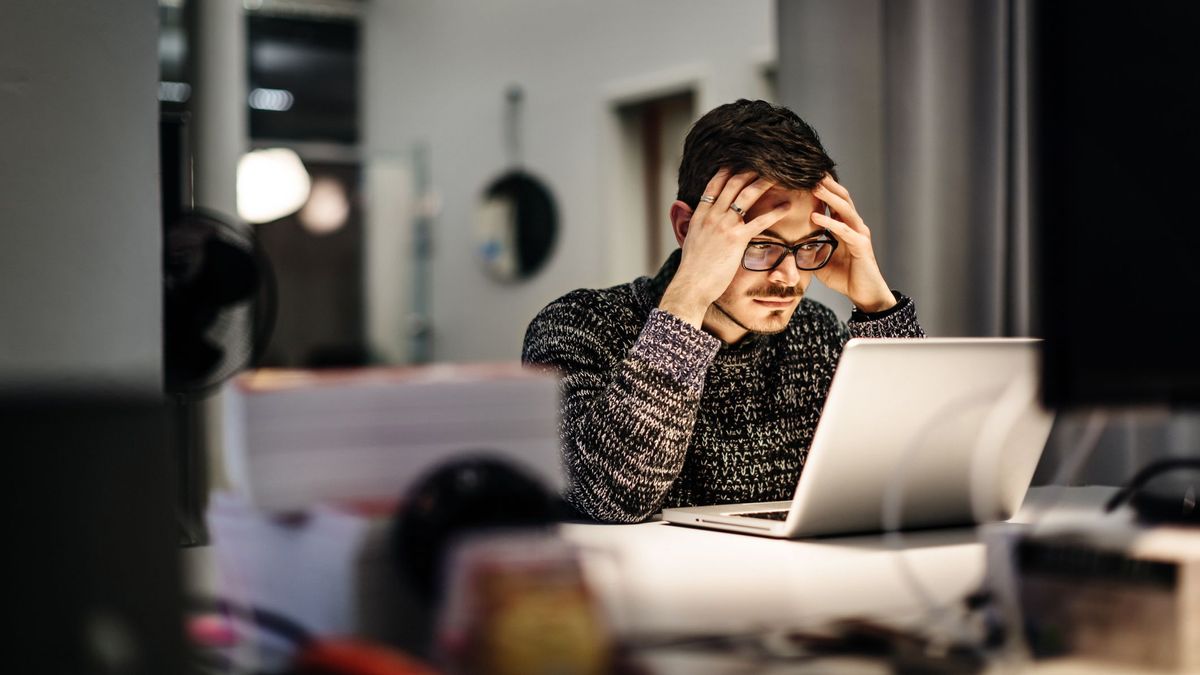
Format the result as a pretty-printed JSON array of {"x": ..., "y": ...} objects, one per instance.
[{"x": 1116, "y": 174}]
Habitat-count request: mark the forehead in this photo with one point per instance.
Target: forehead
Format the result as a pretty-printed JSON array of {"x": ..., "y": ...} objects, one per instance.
[
  {"x": 796, "y": 224},
  {"x": 797, "y": 198}
]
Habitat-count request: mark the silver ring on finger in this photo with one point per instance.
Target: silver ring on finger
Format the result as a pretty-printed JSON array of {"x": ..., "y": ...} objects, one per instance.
[
  {"x": 708, "y": 199},
  {"x": 737, "y": 209}
]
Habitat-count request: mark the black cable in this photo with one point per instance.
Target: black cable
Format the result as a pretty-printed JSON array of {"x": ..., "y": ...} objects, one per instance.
[{"x": 1144, "y": 475}]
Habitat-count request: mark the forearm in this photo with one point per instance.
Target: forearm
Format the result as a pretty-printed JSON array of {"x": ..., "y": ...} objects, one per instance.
[{"x": 626, "y": 430}]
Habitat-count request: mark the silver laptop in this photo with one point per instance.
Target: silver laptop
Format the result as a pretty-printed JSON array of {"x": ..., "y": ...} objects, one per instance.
[{"x": 915, "y": 433}]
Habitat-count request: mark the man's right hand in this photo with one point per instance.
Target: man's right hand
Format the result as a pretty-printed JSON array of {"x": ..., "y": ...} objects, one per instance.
[{"x": 714, "y": 243}]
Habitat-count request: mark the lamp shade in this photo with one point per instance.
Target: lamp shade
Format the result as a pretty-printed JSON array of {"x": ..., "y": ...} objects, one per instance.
[{"x": 271, "y": 184}]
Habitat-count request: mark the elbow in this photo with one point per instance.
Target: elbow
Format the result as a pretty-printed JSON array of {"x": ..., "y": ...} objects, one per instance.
[{"x": 611, "y": 509}]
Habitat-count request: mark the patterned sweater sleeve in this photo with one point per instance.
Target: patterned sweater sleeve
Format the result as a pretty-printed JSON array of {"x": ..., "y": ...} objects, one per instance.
[
  {"x": 899, "y": 321},
  {"x": 627, "y": 411}
]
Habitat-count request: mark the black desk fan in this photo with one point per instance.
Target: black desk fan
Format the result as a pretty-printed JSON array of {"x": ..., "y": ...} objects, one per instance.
[{"x": 219, "y": 301}]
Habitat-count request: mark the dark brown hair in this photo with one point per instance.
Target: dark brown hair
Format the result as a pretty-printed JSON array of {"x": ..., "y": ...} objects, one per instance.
[{"x": 751, "y": 136}]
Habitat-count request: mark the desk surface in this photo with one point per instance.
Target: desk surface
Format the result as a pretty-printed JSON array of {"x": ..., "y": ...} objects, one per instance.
[
  {"x": 654, "y": 578},
  {"x": 657, "y": 577},
  {"x": 663, "y": 579}
]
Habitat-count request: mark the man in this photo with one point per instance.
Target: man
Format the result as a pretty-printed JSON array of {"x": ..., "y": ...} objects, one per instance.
[{"x": 703, "y": 385}]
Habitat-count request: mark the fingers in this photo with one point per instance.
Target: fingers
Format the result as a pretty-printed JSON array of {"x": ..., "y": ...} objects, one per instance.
[
  {"x": 838, "y": 189},
  {"x": 766, "y": 220},
  {"x": 855, "y": 243},
  {"x": 836, "y": 227},
  {"x": 733, "y": 188},
  {"x": 715, "y": 185},
  {"x": 743, "y": 190},
  {"x": 717, "y": 182},
  {"x": 841, "y": 206},
  {"x": 749, "y": 195}
]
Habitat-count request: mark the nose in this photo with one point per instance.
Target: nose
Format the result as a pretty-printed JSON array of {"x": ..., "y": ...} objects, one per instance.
[{"x": 785, "y": 273}]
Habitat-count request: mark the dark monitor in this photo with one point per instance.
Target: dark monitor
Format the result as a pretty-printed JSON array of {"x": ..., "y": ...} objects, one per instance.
[{"x": 1116, "y": 170}]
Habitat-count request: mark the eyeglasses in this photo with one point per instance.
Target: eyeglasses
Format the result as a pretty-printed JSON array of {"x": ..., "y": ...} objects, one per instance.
[{"x": 764, "y": 256}]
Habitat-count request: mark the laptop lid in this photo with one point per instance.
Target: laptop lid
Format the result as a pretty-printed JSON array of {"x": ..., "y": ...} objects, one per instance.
[{"x": 915, "y": 432}]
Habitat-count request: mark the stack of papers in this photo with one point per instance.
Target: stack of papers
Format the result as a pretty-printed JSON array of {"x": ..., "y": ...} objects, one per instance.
[{"x": 295, "y": 438}]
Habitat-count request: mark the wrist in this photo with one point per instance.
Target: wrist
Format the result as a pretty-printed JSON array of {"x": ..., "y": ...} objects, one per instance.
[
  {"x": 878, "y": 302},
  {"x": 686, "y": 308}
]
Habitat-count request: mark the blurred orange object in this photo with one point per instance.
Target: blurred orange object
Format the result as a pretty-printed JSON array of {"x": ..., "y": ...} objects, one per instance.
[
  {"x": 518, "y": 604},
  {"x": 351, "y": 656}
]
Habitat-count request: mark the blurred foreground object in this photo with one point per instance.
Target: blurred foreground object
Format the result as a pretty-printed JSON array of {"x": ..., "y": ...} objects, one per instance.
[
  {"x": 461, "y": 498},
  {"x": 97, "y": 574},
  {"x": 516, "y": 603},
  {"x": 1116, "y": 593},
  {"x": 218, "y": 315},
  {"x": 367, "y": 570},
  {"x": 298, "y": 437},
  {"x": 218, "y": 302},
  {"x": 347, "y": 656},
  {"x": 1161, "y": 498}
]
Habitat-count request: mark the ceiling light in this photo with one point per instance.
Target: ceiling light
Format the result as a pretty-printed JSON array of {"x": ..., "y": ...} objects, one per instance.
[
  {"x": 328, "y": 207},
  {"x": 271, "y": 184}
]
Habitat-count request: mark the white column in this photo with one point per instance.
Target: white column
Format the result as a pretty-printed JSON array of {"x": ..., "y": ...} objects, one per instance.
[
  {"x": 220, "y": 126},
  {"x": 220, "y": 133}
]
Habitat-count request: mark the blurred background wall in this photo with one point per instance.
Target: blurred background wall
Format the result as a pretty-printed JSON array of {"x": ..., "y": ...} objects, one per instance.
[
  {"x": 403, "y": 113},
  {"x": 436, "y": 75}
]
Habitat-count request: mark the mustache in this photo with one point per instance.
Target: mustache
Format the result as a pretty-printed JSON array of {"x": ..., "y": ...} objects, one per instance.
[{"x": 774, "y": 291}]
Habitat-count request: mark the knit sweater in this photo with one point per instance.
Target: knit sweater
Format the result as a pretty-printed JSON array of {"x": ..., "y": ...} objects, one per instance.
[{"x": 656, "y": 412}]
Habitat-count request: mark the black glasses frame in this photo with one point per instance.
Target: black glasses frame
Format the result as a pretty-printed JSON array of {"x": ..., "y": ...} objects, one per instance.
[{"x": 833, "y": 244}]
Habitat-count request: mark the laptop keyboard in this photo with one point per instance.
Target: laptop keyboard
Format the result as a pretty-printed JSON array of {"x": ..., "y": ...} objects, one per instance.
[{"x": 767, "y": 515}]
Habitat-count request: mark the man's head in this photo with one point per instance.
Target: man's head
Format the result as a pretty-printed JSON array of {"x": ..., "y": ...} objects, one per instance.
[
  {"x": 773, "y": 143},
  {"x": 756, "y": 136}
]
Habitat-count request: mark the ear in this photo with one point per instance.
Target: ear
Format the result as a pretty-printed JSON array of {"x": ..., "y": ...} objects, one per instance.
[{"x": 681, "y": 217}]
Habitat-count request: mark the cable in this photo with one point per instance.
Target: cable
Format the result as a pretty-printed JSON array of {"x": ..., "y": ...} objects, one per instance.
[{"x": 1147, "y": 472}]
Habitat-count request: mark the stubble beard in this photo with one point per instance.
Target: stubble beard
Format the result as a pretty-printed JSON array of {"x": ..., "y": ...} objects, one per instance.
[{"x": 773, "y": 329}]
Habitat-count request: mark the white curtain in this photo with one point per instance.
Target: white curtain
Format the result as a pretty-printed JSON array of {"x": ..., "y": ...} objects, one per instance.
[{"x": 922, "y": 104}]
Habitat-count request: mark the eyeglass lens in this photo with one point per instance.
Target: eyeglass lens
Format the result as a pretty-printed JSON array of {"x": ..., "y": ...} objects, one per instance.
[{"x": 810, "y": 255}]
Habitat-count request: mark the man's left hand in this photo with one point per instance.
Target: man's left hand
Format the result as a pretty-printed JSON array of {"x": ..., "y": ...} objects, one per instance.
[{"x": 852, "y": 271}]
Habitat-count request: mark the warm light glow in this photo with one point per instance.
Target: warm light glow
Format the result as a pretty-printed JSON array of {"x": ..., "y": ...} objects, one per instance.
[
  {"x": 328, "y": 207},
  {"x": 271, "y": 184}
]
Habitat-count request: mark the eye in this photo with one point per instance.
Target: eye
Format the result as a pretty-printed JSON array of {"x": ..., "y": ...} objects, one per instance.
[{"x": 762, "y": 246}]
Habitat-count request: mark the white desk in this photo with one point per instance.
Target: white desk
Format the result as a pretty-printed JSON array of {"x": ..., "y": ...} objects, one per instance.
[
  {"x": 655, "y": 578},
  {"x": 662, "y": 578},
  {"x": 658, "y": 577}
]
